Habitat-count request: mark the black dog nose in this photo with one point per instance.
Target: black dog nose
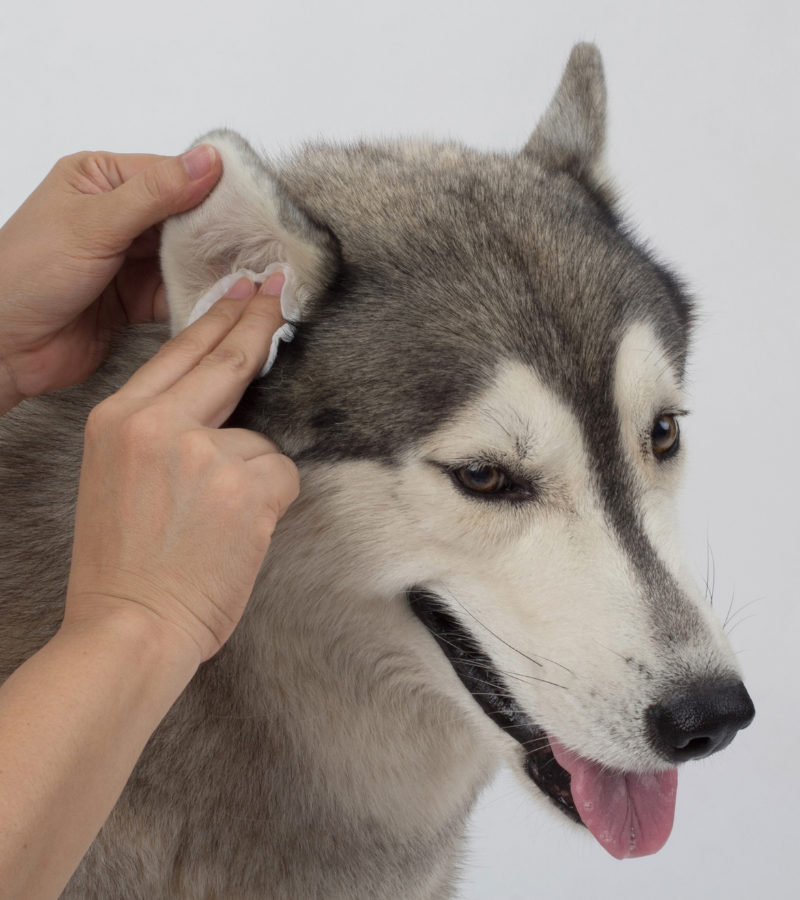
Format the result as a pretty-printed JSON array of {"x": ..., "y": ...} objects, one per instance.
[{"x": 699, "y": 721}]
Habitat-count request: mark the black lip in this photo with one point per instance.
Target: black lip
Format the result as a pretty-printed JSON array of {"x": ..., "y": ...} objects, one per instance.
[{"x": 480, "y": 677}]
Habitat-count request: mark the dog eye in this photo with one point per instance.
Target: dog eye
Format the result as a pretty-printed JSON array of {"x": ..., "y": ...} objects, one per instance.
[
  {"x": 484, "y": 479},
  {"x": 665, "y": 435}
]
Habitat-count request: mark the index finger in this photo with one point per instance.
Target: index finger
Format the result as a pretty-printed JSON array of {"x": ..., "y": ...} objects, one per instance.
[
  {"x": 179, "y": 356},
  {"x": 215, "y": 385},
  {"x": 207, "y": 367}
]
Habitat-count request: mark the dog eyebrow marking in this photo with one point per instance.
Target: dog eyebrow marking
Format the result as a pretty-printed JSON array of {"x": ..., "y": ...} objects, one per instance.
[
  {"x": 522, "y": 446},
  {"x": 522, "y": 439}
]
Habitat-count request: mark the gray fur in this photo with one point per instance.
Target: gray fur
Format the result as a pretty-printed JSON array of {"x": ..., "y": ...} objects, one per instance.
[
  {"x": 328, "y": 750},
  {"x": 571, "y": 135}
]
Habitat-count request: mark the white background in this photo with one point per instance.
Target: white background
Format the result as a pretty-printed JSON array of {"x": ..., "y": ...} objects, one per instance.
[{"x": 704, "y": 142}]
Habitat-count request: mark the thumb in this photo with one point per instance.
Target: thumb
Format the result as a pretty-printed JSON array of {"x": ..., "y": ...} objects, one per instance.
[{"x": 160, "y": 190}]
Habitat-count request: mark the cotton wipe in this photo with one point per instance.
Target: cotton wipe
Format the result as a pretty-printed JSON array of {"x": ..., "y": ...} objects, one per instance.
[{"x": 290, "y": 310}]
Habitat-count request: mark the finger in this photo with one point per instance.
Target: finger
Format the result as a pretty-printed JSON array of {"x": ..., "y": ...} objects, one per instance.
[
  {"x": 167, "y": 187},
  {"x": 280, "y": 478},
  {"x": 180, "y": 355},
  {"x": 210, "y": 392},
  {"x": 243, "y": 443},
  {"x": 101, "y": 172},
  {"x": 121, "y": 167}
]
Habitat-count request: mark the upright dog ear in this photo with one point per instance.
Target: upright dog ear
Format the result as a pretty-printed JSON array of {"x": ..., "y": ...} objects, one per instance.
[
  {"x": 571, "y": 135},
  {"x": 247, "y": 222}
]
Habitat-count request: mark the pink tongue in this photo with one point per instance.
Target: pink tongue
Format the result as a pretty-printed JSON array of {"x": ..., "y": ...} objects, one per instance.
[{"x": 630, "y": 815}]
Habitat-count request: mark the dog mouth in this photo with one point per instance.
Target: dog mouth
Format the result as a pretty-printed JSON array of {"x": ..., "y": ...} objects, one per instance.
[
  {"x": 489, "y": 690},
  {"x": 630, "y": 814}
]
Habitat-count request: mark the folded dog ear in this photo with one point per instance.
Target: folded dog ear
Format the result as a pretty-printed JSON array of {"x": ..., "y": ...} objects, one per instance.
[
  {"x": 571, "y": 135},
  {"x": 247, "y": 222}
]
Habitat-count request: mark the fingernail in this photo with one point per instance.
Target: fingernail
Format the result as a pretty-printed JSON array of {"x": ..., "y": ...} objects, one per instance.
[
  {"x": 273, "y": 285},
  {"x": 199, "y": 161},
  {"x": 240, "y": 290}
]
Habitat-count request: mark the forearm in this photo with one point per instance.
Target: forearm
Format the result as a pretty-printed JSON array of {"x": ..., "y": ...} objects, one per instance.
[{"x": 73, "y": 721}]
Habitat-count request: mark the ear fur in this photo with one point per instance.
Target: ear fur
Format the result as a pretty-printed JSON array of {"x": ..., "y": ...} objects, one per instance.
[
  {"x": 247, "y": 222},
  {"x": 571, "y": 135}
]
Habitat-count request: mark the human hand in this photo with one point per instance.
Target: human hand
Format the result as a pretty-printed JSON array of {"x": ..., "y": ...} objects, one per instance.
[
  {"x": 79, "y": 260},
  {"x": 174, "y": 515}
]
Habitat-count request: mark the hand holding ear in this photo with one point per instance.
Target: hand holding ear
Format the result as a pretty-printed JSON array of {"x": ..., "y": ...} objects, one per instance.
[{"x": 79, "y": 260}]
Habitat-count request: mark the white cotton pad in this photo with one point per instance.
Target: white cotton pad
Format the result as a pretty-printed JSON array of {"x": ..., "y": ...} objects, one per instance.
[{"x": 290, "y": 309}]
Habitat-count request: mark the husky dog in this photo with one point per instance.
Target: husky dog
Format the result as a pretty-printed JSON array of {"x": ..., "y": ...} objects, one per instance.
[{"x": 483, "y": 398}]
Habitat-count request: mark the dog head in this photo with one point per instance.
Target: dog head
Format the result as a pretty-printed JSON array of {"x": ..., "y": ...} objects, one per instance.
[{"x": 497, "y": 365}]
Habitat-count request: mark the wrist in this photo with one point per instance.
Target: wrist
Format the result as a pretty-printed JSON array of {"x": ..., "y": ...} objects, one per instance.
[
  {"x": 76, "y": 717},
  {"x": 141, "y": 642}
]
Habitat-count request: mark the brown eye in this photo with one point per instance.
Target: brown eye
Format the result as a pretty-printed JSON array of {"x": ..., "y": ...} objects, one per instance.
[
  {"x": 665, "y": 435},
  {"x": 484, "y": 479}
]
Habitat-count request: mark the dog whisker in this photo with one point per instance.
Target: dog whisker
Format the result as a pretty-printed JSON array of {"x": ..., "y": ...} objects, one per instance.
[
  {"x": 730, "y": 607},
  {"x": 741, "y": 609},
  {"x": 502, "y": 673},
  {"x": 510, "y": 646},
  {"x": 734, "y": 627},
  {"x": 611, "y": 650},
  {"x": 539, "y": 742}
]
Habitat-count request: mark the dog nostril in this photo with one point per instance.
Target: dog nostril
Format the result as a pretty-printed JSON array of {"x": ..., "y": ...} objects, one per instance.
[
  {"x": 700, "y": 720},
  {"x": 698, "y": 747}
]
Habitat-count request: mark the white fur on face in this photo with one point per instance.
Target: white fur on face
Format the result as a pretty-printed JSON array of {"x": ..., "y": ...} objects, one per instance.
[
  {"x": 646, "y": 385},
  {"x": 543, "y": 584}
]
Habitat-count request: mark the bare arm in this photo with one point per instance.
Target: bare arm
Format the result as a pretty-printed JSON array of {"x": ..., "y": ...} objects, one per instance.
[
  {"x": 174, "y": 515},
  {"x": 73, "y": 721},
  {"x": 173, "y": 521}
]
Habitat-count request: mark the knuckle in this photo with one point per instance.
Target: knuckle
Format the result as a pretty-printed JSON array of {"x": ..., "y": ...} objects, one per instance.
[
  {"x": 144, "y": 429},
  {"x": 269, "y": 445},
  {"x": 227, "y": 488},
  {"x": 196, "y": 451},
  {"x": 226, "y": 311},
  {"x": 102, "y": 419},
  {"x": 291, "y": 474},
  {"x": 268, "y": 313},
  {"x": 283, "y": 483},
  {"x": 73, "y": 161},
  {"x": 158, "y": 186},
  {"x": 231, "y": 357},
  {"x": 187, "y": 343}
]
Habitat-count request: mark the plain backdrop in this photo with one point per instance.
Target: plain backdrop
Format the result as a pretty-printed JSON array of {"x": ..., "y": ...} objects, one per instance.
[{"x": 704, "y": 101}]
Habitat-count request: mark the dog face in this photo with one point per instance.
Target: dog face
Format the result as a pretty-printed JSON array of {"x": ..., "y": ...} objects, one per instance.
[{"x": 488, "y": 376}]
